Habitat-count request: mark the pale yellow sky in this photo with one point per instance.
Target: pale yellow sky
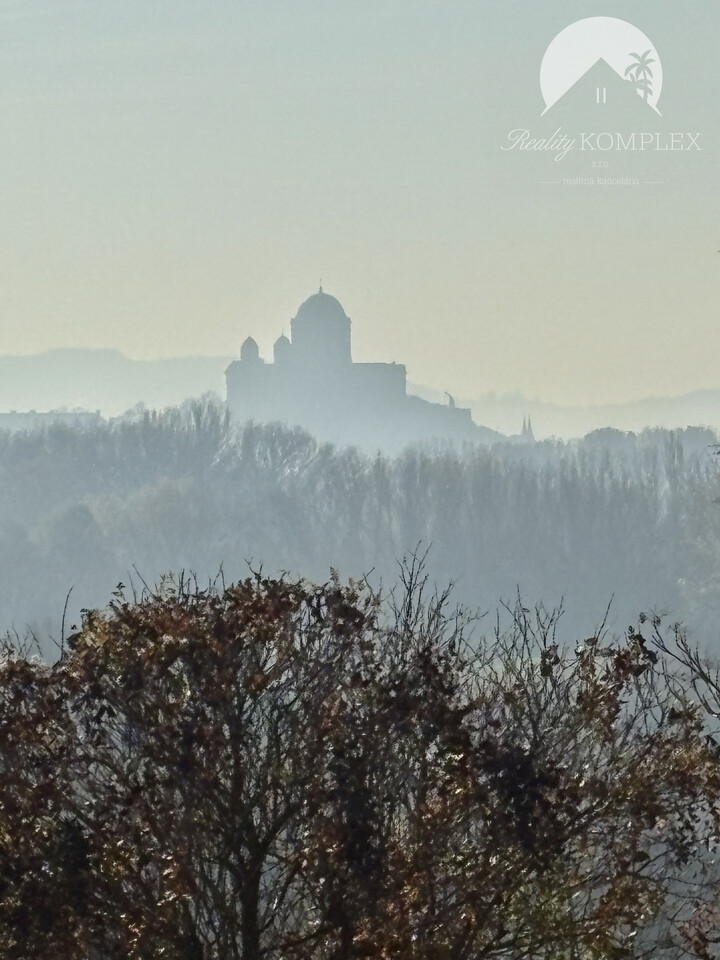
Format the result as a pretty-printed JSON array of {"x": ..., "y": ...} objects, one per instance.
[{"x": 175, "y": 176}]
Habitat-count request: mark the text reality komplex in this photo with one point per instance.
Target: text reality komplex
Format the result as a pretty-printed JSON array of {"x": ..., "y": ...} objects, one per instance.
[{"x": 561, "y": 143}]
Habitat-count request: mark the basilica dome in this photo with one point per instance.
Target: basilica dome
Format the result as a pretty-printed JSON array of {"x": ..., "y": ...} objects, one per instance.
[
  {"x": 320, "y": 331},
  {"x": 321, "y": 307}
]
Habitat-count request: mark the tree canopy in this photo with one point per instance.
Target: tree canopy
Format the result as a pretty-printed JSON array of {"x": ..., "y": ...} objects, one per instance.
[{"x": 276, "y": 769}]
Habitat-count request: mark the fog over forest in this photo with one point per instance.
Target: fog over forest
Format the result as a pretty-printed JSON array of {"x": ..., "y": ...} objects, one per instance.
[{"x": 631, "y": 519}]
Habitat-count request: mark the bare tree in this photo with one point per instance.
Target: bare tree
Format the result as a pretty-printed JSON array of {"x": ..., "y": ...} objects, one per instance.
[{"x": 274, "y": 769}]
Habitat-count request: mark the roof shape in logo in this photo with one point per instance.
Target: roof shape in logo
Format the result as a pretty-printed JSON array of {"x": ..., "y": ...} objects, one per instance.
[
  {"x": 617, "y": 92},
  {"x": 624, "y": 47}
]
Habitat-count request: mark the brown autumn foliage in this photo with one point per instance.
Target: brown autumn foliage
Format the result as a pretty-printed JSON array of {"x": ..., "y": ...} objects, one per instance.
[{"x": 282, "y": 770}]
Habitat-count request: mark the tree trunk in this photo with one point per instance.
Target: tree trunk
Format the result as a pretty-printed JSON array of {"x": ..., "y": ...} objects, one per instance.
[{"x": 250, "y": 920}]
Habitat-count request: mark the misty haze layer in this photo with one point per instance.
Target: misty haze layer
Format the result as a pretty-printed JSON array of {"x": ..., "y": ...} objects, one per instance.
[
  {"x": 629, "y": 517},
  {"x": 110, "y": 383},
  {"x": 173, "y": 179}
]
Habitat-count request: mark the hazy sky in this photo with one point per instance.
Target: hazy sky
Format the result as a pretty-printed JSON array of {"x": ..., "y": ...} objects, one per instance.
[{"x": 175, "y": 175}]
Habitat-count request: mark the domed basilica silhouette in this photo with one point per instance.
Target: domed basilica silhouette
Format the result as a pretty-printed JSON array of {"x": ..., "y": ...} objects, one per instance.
[{"x": 314, "y": 383}]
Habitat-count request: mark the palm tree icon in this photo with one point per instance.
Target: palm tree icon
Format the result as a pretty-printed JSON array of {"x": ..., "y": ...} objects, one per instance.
[{"x": 640, "y": 73}]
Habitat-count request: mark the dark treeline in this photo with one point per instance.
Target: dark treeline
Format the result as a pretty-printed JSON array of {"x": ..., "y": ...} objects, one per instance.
[{"x": 623, "y": 516}]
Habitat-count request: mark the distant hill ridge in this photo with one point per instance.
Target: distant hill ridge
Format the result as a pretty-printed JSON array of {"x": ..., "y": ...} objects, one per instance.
[
  {"x": 104, "y": 380},
  {"x": 110, "y": 382}
]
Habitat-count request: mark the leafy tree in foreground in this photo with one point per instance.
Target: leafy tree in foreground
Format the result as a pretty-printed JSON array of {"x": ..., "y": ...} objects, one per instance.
[{"x": 280, "y": 770}]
